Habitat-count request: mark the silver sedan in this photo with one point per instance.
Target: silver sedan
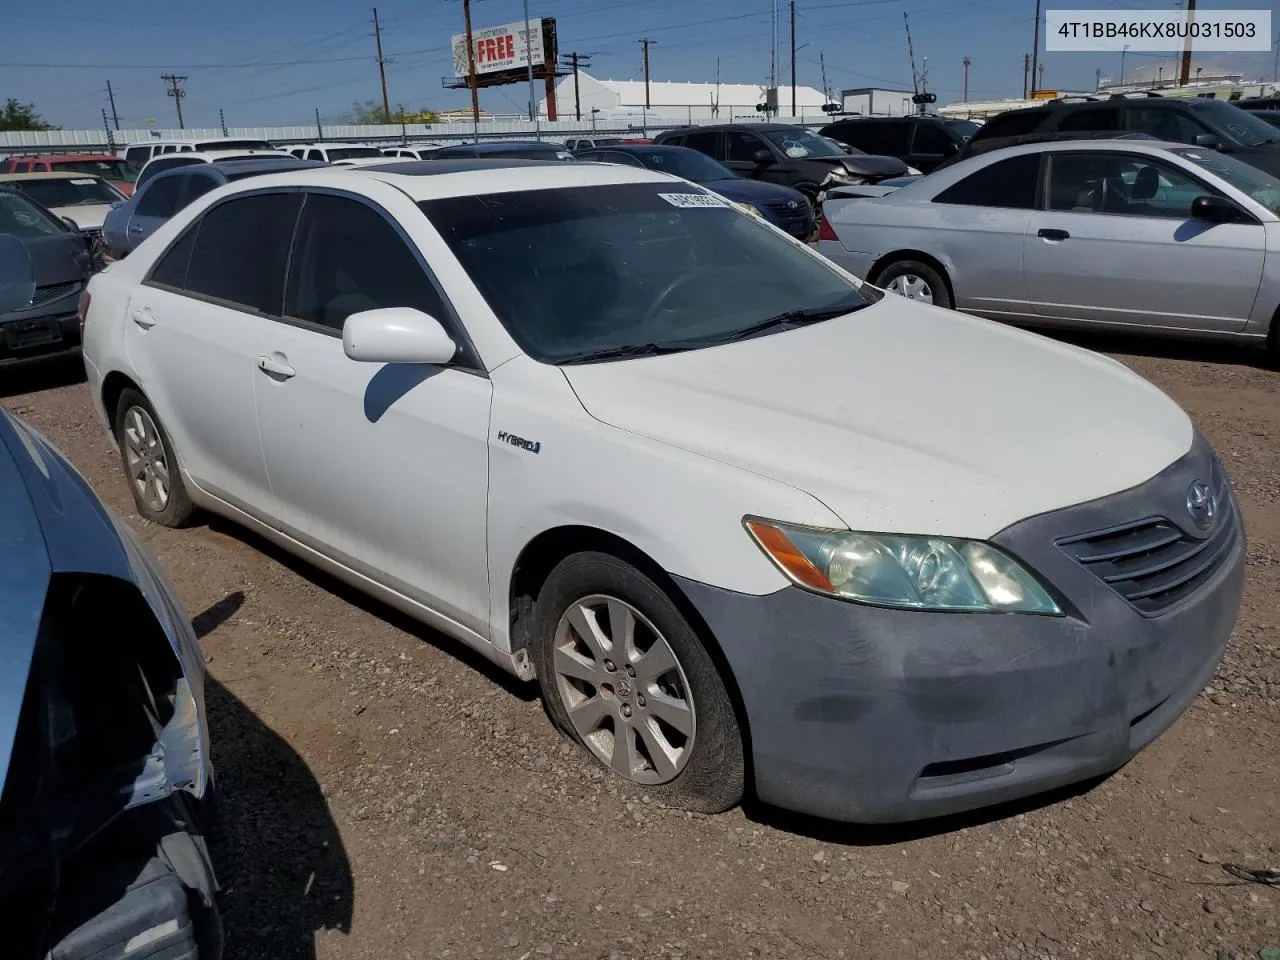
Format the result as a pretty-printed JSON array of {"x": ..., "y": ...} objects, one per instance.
[{"x": 1101, "y": 234}]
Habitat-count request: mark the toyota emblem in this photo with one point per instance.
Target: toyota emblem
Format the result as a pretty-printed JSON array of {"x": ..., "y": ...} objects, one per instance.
[
  {"x": 792, "y": 204},
  {"x": 1202, "y": 506}
]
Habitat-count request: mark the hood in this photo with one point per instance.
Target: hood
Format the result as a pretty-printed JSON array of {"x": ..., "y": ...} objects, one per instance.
[
  {"x": 87, "y": 216},
  {"x": 865, "y": 165},
  {"x": 904, "y": 418},
  {"x": 124, "y": 186},
  {"x": 59, "y": 258},
  {"x": 752, "y": 191},
  {"x": 1266, "y": 157}
]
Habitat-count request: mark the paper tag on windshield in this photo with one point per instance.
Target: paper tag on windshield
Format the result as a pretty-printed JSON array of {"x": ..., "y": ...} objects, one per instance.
[
  {"x": 692, "y": 200},
  {"x": 89, "y": 182}
]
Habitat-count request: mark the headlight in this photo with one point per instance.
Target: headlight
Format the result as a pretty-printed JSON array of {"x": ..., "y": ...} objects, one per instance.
[
  {"x": 840, "y": 177},
  {"x": 916, "y": 572},
  {"x": 747, "y": 208}
]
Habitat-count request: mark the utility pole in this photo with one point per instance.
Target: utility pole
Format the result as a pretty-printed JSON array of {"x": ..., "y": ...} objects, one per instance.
[
  {"x": 177, "y": 93},
  {"x": 577, "y": 60},
  {"x": 1185, "y": 73},
  {"x": 1275, "y": 76},
  {"x": 1097, "y": 79},
  {"x": 382, "y": 67},
  {"x": 1035, "y": 49},
  {"x": 966, "y": 61},
  {"x": 826, "y": 91},
  {"x": 1026, "y": 66},
  {"x": 793, "y": 57},
  {"x": 222, "y": 121},
  {"x": 1123, "y": 51},
  {"x": 1040, "y": 79},
  {"x": 115, "y": 118},
  {"x": 111, "y": 144},
  {"x": 645, "y": 43},
  {"x": 319, "y": 128},
  {"x": 471, "y": 67},
  {"x": 773, "y": 54},
  {"x": 528, "y": 62}
]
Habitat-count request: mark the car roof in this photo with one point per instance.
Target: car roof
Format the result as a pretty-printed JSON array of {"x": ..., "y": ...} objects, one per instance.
[
  {"x": 497, "y": 146},
  {"x": 327, "y": 144},
  {"x": 640, "y": 148},
  {"x": 62, "y": 157},
  {"x": 437, "y": 179},
  {"x": 210, "y": 155},
  {"x": 47, "y": 175},
  {"x": 731, "y": 126},
  {"x": 265, "y": 165},
  {"x": 1130, "y": 144}
]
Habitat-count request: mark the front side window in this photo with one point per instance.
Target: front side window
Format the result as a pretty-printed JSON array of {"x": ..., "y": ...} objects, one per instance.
[
  {"x": 584, "y": 272},
  {"x": 161, "y": 197},
  {"x": 1015, "y": 123},
  {"x": 932, "y": 139},
  {"x": 348, "y": 258},
  {"x": 23, "y": 219},
  {"x": 1165, "y": 124},
  {"x": 1008, "y": 183},
  {"x": 743, "y": 147},
  {"x": 1113, "y": 183},
  {"x": 876, "y": 137},
  {"x": 241, "y": 249}
]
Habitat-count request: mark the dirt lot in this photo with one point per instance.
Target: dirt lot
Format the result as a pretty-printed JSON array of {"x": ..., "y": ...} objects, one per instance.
[{"x": 392, "y": 796}]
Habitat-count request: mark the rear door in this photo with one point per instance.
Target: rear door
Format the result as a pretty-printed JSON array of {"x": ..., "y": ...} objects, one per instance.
[
  {"x": 1116, "y": 244},
  {"x": 195, "y": 332}
]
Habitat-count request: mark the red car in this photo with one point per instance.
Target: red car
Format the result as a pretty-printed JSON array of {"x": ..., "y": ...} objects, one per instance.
[{"x": 105, "y": 165}]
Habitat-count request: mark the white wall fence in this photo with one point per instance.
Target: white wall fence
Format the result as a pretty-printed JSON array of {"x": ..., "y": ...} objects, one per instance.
[{"x": 46, "y": 141}]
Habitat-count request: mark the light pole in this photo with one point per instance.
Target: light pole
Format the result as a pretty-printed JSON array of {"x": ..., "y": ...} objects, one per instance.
[
  {"x": 1123, "y": 51},
  {"x": 528, "y": 60}
]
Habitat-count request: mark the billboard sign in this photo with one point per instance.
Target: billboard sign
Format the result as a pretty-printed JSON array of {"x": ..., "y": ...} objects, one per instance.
[{"x": 499, "y": 48}]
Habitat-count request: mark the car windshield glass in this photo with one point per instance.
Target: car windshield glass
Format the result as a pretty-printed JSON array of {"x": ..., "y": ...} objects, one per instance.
[
  {"x": 685, "y": 163},
  {"x": 236, "y": 145},
  {"x": 1262, "y": 187},
  {"x": 352, "y": 153},
  {"x": 1233, "y": 122},
  {"x": 107, "y": 169},
  {"x": 966, "y": 128},
  {"x": 799, "y": 144},
  {"x": 642, "y": 267},
  {"x": 72, "y": 192},
  {"x": 22, "y": 218}
]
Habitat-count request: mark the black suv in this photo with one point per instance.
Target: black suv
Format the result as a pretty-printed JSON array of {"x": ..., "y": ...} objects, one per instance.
[
  {"x": 784, "y": 154},
  {"x": 1203, "y": 122},
  {"x": 922, "y": 142}
]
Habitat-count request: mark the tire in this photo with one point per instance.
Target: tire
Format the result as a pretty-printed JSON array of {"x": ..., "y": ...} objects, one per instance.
[
  {"x": 139, "y": 433},
  {"x": 702, "y": 771},
  {"x": 933, "y": 281}
]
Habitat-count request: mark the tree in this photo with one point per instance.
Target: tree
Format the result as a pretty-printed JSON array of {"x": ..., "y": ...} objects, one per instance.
[
  {"x": 371, "y": 112},
  {"x": 22, "y": 116}
]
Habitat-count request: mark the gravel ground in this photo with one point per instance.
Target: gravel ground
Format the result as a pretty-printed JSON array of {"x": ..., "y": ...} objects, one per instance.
[{"x": 391, "y": 795}]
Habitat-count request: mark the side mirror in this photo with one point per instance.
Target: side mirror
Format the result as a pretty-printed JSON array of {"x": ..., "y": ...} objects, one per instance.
[
  {"x": 71, "y": 223},
  {"x": 1210, "y": 140},
  {"x": 396, "y": 335},
  {"x": 762, "y": 158},
  {"x": 1214, "y": 209},
  {"x": 951, "y": 149},
  {"x": 17, "y": 275},
  {"x": 847, "y": 149}
]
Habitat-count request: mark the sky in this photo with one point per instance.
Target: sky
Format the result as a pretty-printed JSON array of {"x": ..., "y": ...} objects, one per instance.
[{"x": 274, "y": 62}]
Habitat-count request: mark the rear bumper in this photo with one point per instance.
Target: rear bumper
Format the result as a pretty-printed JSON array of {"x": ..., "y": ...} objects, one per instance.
[{"x": 867, "y": 714}]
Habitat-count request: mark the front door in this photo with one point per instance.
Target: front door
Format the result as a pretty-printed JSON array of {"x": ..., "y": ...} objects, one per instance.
[
  {"x": 382, "y": 467},
  {"x": 193, "y": 335},
  {"x": 1117, "y": 245},
  {"x": 741, "y": 156}
]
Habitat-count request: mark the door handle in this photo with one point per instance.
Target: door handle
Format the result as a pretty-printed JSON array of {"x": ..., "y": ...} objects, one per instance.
[
  {"x": 1051, "y": 234},
  {"x": 276, "y": 367},
  {"x": 143, "y": 318}
]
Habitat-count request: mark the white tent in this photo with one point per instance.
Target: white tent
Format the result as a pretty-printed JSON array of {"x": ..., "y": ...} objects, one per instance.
[{"x": 673, "y": 100}]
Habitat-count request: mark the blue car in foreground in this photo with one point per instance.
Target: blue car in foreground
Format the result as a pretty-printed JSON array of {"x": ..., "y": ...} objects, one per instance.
[
  {"x": 783, "y": 207},
  {"x": 106, "y": 789}
]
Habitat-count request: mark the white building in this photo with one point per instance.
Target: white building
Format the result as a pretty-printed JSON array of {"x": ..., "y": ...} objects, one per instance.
[
  {"x": 870, "y": 102},
  {"x": 624, "y": 99}
]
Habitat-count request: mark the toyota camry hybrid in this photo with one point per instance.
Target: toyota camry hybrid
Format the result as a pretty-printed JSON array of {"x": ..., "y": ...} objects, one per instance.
[{"x": 752, "y": 524}]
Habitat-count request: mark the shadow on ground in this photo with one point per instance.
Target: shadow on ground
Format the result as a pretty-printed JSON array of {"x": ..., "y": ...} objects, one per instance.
[
  {"x": 284, "y": 871},
  {"x": 42, "y": 375},
  {"x": 1167, "y": 348}
]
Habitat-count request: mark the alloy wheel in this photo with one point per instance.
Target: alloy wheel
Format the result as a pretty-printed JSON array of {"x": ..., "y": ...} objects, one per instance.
[
  {"x": 145, "y": 459},
  {"x": 624, "y": 689}
]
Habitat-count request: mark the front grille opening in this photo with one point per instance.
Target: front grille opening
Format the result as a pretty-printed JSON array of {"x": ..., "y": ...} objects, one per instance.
[{"x": 968, "y": 769}]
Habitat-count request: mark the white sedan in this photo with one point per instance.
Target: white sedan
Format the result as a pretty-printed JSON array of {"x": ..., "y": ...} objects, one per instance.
[{"x": 751, "y": 524}]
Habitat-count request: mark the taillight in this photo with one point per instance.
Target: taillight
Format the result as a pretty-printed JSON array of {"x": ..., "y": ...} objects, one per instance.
[
  {"x": 825, "y": 232},
  {"x": 82, "y": 308}
]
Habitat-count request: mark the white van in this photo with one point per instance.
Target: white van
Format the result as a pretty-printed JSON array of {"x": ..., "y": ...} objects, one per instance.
[{"x": 136, "y": 155}]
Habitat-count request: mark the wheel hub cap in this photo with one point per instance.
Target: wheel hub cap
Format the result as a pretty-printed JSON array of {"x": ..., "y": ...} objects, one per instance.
[
  {"x": 624, "y": 690},
  {"x": 912, "y": 287},
  {"x": 145, "y": 459}
]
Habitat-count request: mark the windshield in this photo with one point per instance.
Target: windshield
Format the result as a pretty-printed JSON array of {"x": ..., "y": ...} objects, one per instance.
[
  {"x": 574, "y": 270},
  {"x": 235, "y": 145},
  {"x": 1230, "y": 120},
  {"x": 77, "y": 192},
  {"x": 22, "y": 218},
  {"x": 1262, "y": 187},
  {"x": 799, "y": 144},
  {"x": 685, "y": 163},
  {"x": 966, "y": 128},
  {"x": 107, "y": 169},
  {"x": 351, "y": 153}
]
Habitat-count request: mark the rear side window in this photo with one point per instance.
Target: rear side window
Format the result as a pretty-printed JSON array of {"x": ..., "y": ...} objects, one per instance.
[
  {"x": 240, "y": 251},
  {"x": 171, "y": 269},
  {"x": 314, "y": 155},
  {"x": 1010, "y": 183},
  {"x": 136, "y": 157},
  {"x": 198, "y": 184},
  {"x": 161, "y": 197},
  {"x": 1100, "y": 120},
  {"x": 707, "y": 143},
  {"x": 348, "y": 258},
  {"x": 1012, "y": 124}
]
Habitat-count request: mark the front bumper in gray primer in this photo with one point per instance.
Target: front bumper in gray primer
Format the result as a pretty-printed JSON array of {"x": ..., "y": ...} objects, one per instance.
[{"x": 867, "y": 714}]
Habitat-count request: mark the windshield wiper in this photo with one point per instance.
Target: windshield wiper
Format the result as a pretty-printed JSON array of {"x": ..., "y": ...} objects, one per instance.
[
  {"x": 625, "y": 351},
  {"x": 787, "y": 321}
]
